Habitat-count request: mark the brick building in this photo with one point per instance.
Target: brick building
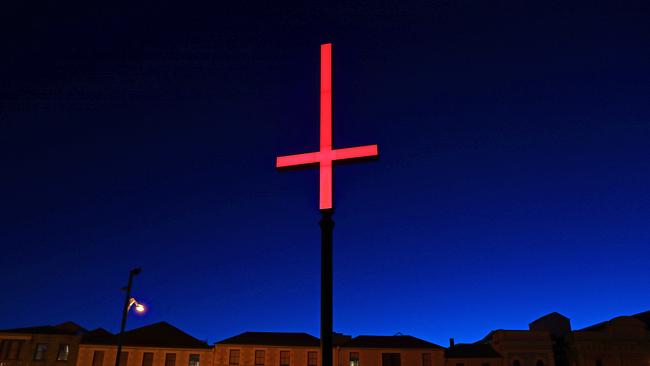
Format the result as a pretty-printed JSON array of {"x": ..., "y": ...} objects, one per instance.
[
  {"x": 472, "y": 354},
  {"x": 48, "y": 345},
  {"x": 268, "y": 349},
  {"x": 522, "y": 347},
  {"x": 159, "y": 344},
  {"x": 301, "y": 349},
  {"x": 621, "y": 341},
  {"x": 398, "y": 350}
]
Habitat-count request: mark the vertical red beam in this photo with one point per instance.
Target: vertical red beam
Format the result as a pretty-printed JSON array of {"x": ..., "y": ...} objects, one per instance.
[
  {"x": 326, "y": 126},
  {"x": 326, "y": 96}
]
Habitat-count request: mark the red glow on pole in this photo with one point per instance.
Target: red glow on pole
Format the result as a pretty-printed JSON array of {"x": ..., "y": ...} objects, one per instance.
[
  {"x": 326, "y": 96},
  {"x": 327, "y": 155}
]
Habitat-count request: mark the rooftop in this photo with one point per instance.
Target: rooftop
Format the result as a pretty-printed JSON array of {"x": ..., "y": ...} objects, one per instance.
[
  {"x": 273, "y": 339},
  {"x": 644, "y": 317},
  {"x": 161, "y": 334},
  {"x": 554, "y": 314},
  {"x": 397, "y": 341},
  {"x": 66, "y": 328},
  {"x": 471, "y": 350}
]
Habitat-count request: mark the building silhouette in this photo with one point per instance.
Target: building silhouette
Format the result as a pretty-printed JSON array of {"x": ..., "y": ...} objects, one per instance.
[
  {"x": 549, "y": 341},
  {"x": 472, "y": 354},
  {"x": 48, "y": 345},
  {"x": 623, "y": 340},
  {"x": 158, "y": 344}
]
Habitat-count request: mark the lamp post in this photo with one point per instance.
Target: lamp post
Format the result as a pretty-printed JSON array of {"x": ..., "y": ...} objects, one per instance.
[{"x": 128, "y": 302}]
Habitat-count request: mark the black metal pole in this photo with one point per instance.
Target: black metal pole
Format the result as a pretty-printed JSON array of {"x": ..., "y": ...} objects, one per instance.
[
  {"x": 326, "y": 284},
  {"x": 125, "y": 310}
]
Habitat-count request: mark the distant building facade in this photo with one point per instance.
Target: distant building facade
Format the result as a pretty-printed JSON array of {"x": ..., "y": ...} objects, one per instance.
[
  {"x": 522, "y": 347},
  {"x": 159, "y": 344},
  {"x": 472, "y": 354},
  {"x": 301, "y": 349},
  {"x": 549, "y": 341},
  {"x": 399, "y": 350},
  {"x": 48, "y": 345},
  {"x": 268, "y": 349},
  {"x": 621, "y": 341}
]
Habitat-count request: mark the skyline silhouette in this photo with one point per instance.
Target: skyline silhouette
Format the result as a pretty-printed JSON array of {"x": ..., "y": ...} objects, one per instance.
[{"x": 164, "y": 331}]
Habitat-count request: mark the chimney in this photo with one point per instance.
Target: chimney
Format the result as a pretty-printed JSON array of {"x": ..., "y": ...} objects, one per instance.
[{"x": 451, "y": 342}]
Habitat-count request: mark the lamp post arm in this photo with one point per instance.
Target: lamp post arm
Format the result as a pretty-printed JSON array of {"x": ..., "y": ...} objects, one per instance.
[{"x": 131, "y": 303}]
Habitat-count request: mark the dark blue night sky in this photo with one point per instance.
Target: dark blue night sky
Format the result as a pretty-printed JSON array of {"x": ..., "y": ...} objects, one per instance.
[{"x": 513, "y": 178}]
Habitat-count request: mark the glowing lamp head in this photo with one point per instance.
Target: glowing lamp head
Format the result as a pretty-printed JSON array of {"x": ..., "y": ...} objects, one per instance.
[{"x": 138, "y": 306}]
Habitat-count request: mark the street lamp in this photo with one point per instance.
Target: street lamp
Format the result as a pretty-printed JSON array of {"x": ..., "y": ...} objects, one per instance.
[
  {"x": 128, "y": 302},
  {"x": 139, "y": 307}
]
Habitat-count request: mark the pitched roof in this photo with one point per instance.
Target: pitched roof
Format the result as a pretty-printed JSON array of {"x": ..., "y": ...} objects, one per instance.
[
  {"x": 42, "y": 329},
  {"x": 99, "y": 336},
  {"x": 67, "y": 328},
  {"x": 72, "y": 327},
  {"x": 161, "y": 334},
  {"x": 398, "y": 341},
  {"x": 554, "y": 314},
  {"x": 488, "y": 337},
  {"x": 471, "y": 350},
  {"x": 644, "y": 317},
  {"x": 273, "y": 339},
  {"x": 596, "y": 327}
]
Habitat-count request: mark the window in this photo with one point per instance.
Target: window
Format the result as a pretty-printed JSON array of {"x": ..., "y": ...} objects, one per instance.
[
  {"x": 14, "y": 350},
  {"x": 170, "y": 359},
  {"x": 354, "y": 358},
  {"x": 312, "y": 358},
  {"x": 391, "y": 359},
  {"x": 147, "y": 359},
  {"x": 124, "y": 358},
  {"x": 64, "y": 351},
  {"x": 10, "y": 349},
  {"x": 426, "y": 359},
  {"x": 284, "y": 358},
  {"x": 259, "y": 357},
  {"x": 234, "y": 357},
  {"x": 194, "y": 359},
  {"x": 98, "y": 358},
  {"x": 39, "y": 353},
  {"x": 4, "y": 346},
  {"x": 3, "y": 349}
]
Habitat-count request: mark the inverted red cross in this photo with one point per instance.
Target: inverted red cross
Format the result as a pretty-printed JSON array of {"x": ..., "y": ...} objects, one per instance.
[{"x": 326, "y": 156}]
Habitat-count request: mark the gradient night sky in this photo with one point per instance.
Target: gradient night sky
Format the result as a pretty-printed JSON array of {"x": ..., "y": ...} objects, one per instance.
[{"x": 513, "y": 178}]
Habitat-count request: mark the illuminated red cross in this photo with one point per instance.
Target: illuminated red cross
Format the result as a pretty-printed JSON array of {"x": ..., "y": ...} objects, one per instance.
[{"x": 326, "y": 156}]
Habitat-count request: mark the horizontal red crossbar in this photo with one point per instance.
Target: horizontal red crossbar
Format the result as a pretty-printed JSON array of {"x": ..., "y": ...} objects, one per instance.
[{"x": 327, "y": 156}]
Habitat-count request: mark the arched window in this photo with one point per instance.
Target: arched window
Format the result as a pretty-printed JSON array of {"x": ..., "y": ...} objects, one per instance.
[
  {"x": 539, "y": 363},
  {"x": 516, "y": 363}
]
